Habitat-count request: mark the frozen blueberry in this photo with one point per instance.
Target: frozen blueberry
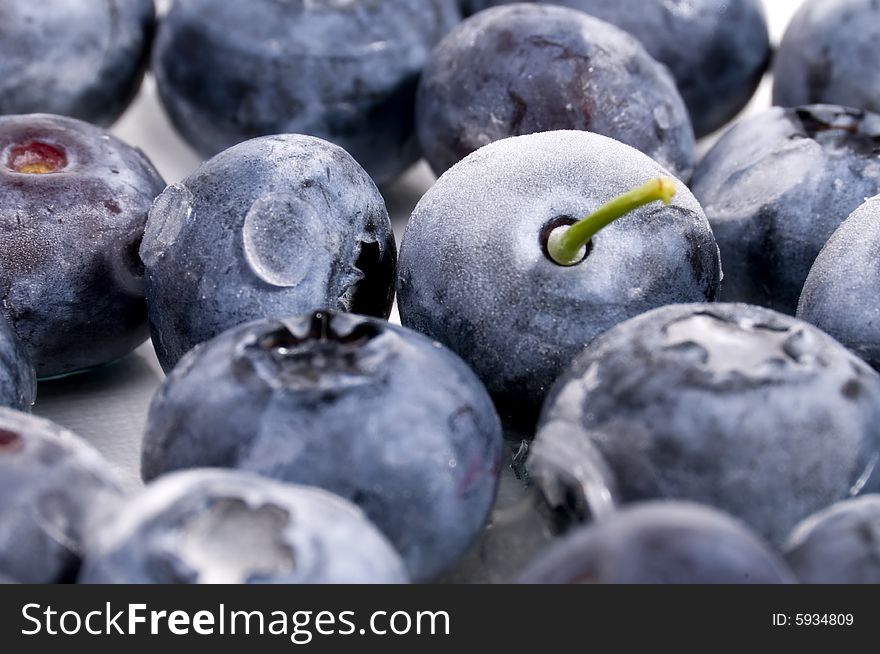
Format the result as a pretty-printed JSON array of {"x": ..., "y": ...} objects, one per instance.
[
  {"x": 73, "y": 204},
  {"x": 79, "y": 59},
  {"x": 839, "y": 545},
  {"x": 717, "y": 50},
  {"x": 274, "y": 226},
  {"x": 54, "y": 488},
  {"x": 660, "y": 543},
  {"x": 375, "y": 413},
  {"x": 522, "y": 69},
  {"x": 476, "y": 273},
  {"x": 18, "y": 384},
  {"x": 739, "y": 407},
  {"x": 342, "y": 71},
  {"x": 776, "y": 186},
  {"x": 840, "y": 294},
  {"x": 218, "y": 526},
  {"x": 828, "y": 55}
]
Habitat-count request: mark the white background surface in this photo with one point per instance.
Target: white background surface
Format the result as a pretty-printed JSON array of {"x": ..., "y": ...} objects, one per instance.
[{"x": 108, "y": 406}]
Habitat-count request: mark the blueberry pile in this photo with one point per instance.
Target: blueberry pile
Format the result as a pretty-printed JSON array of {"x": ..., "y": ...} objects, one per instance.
[{"x": 616, "y": 363}]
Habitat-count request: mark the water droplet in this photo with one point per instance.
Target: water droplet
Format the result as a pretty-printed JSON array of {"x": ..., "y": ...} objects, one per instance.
[
  {"x": 171, "y": 210},
  {"x": 282, "y": 237}
]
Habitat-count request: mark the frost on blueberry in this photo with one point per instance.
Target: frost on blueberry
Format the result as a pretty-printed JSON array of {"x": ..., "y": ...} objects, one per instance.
[
  {"x": 215, "y": 526},
  {"x": 740, "y": 407},
  {"x": 341, "y": 71},
  {"x": 717, "y": 50},
  {"x": 372, "y": 412},
  {"x": 828, "y": 55},
  {"x": 524, "y": 68},
  {"x": 474, "y": 273},
  {"x": 776, "y": 186},
  {"x": 18, "y": 384},
  {"x": 54, "y": 490},
  {"x": 840, "y": 295},
  {"x": 271, "y": 227},
  {"x": 79, "y": 59},
  {"x": 74, "y": 203}
]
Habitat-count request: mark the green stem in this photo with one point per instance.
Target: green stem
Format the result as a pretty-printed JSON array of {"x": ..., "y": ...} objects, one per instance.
[{"x": 566, "y": 244}]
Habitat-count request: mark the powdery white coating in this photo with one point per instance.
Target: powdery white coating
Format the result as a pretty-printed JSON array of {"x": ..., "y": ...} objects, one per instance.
[
  {"x": 341, "y": 70},
  {"x": 660, "y": 543},
  {"x": 839, "y": 545},
  {"x": 272, "y": 226},
  {"x": 18, "y": 382},
  {"x": 473, "y": 274},
  {"x": 54, "y": 490},
  {"x": 216, "y": 526},
  {"x": 840, "y": 294},
  {"x": 828, "y": 55},
  {"x": 376, "y": 413},
  {"x": 80, "y": 59},
  {"x": 771, "y": 440},
  {"x": 71, "y": 282},
  {"x": 523, "y": 68},
  {"x": 776, "y": 186},
  {"x": 717, "y": 50}
]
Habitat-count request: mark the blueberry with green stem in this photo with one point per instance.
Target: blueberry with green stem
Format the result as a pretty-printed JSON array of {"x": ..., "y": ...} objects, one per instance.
[
  {"x": 477, "y": 272},
  {"x": 567, "y": 244}
]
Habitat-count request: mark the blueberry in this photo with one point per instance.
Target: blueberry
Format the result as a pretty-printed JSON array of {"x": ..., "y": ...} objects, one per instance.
[
  {"x": 717, "y": 50},
  {"x": 18, "y": 384},
  {"x": 372, "y": 412},
  {"x": 660, "y": 543},
  {"x": 54, "y": 489},
  {"x": 523, "y": 68},
  {"x": 342, "y": 71},
  {"x": 828, "y": 55},
  {"x": 273, "y": 226},
  {"x": 79, "y": 59},
  {"x": 217, "y": 526},
  {"x": 776, "y": 186},
  {"x": 739, "y": 407},
  {"x": 839, "y": 545},
  {"x": 73, "y": 204},
  {"x": 840, "y": 294},
  {"x": 475, "y": 271}
]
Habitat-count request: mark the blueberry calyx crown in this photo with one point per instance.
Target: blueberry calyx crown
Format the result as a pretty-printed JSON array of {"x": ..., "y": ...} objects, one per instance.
[
  {"x": 36, "y": 158},
  {"x": 234, "y": 541},
  {"x": 283, "y": 340},
  {"x": 852, "y": 128},
  {"x": 314, "y": 352}
]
